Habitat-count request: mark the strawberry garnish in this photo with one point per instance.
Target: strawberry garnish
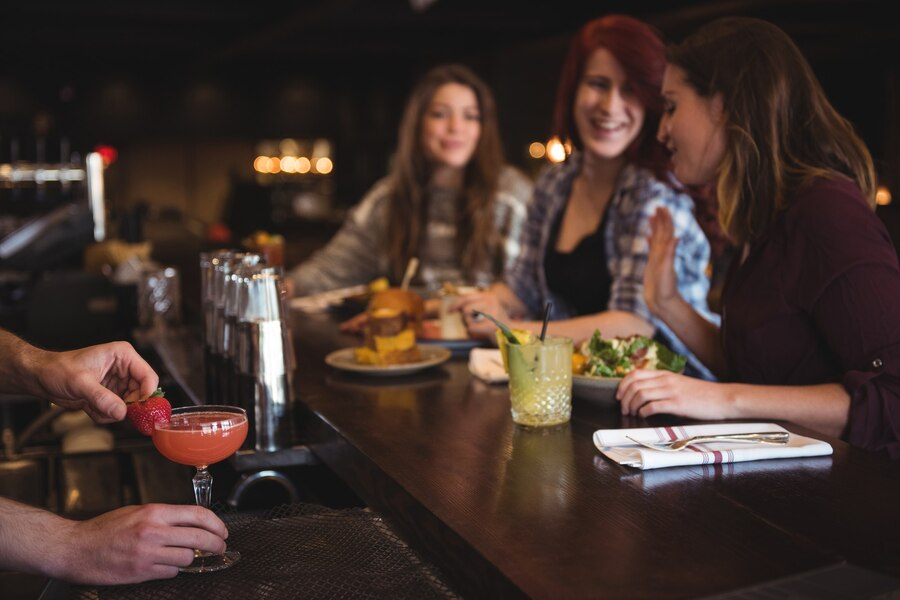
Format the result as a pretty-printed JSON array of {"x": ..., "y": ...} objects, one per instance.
[{"x": 144, "y": 413}]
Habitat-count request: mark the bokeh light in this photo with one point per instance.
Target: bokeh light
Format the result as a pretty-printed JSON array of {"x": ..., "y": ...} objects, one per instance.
[
  {"x": 536, "y": 150},
  {"x": 556, "y": 152},
  {"x": 324, "y": 165}
]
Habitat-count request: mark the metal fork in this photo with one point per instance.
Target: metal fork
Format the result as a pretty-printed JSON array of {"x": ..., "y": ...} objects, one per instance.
[{"x": 763, "y": 437}]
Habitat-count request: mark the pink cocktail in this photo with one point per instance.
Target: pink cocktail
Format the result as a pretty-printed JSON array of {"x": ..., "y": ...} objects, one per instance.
[{"x": 200, "y": 436}]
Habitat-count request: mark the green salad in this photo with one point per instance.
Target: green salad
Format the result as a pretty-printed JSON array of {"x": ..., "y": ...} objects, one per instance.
[{"x": 619, "y": 356}]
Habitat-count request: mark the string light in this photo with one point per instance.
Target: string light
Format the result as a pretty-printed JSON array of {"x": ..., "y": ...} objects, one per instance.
[
  {"x": 536, "y": 150},
  {"x": 324, "y": 165},
  {"x": 290, "y": 162},
  {"x": 556, "y": 151}
]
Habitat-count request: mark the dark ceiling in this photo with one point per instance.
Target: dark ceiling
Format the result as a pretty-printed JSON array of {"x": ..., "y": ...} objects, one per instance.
[
  {"x": 203, "y": 36},
  {"x": 187, "y": 37},
  {"x": 134, "y": 70}
]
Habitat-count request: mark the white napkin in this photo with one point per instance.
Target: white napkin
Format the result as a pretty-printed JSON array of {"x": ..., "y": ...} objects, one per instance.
[
  {"x": 487, "y": 364},
  {"x": 616, "y": 446}
]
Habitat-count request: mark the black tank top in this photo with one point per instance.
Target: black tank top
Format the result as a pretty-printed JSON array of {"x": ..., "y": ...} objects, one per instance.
[{"x": 581, "y": 277}]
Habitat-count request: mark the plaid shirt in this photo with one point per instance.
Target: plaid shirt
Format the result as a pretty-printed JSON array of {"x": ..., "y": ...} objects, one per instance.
[
  {"x": 635, "y": 199},
  {"x": 358, "y": 252}
]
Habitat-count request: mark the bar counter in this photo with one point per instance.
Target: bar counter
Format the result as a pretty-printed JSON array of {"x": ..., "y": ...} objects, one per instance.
[
  {"x": 505, "y": 511},
  {"x": 495, "y": 510}
]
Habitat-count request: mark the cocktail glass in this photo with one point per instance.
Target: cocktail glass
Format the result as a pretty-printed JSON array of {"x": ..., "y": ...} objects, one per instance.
[
  {"x": 540, "y": 381},
  {"x": 199, "y": 436}
]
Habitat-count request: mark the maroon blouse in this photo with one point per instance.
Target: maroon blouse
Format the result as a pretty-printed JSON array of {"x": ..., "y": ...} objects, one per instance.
[{"x": 817, "y": 301}]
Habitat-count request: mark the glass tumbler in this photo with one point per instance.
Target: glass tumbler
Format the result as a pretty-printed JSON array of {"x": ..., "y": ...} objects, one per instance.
[
  {"x": 159, "y": 297},
  {"x": 540, "y": 381}
]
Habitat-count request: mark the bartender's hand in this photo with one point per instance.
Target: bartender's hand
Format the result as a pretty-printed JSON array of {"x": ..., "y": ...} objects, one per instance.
[
  {"x": 97, "y": 379},
  {"x": 132, "y": 544}
]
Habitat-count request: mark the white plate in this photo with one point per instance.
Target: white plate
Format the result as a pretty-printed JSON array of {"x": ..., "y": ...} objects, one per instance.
[
  {"x": 595, "y": 389},
  {"x": 346, "y": 360}
]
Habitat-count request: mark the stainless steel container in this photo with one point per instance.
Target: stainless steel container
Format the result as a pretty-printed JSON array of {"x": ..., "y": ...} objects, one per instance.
[
  {"x": 223, "y": 287},
  {"x": 223, "y": 282},
  {"x": 212, "y": 282},
  {"x": 265, "y": 359},
  {"x": 208, "y": 263}
]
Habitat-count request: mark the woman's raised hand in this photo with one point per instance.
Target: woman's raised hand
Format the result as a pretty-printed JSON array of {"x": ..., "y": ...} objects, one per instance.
[{"x": 660, "y": 281}]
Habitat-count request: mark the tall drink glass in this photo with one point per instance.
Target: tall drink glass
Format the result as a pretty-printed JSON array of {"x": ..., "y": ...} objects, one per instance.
[
  {"x": 199, "y": 436},
  {"x": 540, "y": 381}
]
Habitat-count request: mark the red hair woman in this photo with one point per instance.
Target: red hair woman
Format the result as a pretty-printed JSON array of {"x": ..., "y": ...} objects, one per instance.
[{"x": 585, "y": 245}]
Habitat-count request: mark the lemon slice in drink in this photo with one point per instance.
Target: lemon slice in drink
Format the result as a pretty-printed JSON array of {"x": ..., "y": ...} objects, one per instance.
[{"x": 521, "y": 335}]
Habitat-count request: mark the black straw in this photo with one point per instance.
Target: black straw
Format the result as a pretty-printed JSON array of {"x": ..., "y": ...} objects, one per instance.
[{"x": 546, "y": 318}]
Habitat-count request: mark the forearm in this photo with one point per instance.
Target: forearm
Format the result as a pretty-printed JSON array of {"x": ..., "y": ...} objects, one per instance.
[
  {"x": 352, "y": 257},
  {"x": 331, "y": 268},
  {"x": 698, "y": 334},
  {"x": 611, "y": 323},
  {"x": 508, "y": 300},
  {"x": 18, "y": 360},
  {"x": 823, "y": 407},
  {"x": 32, "y": 539}
]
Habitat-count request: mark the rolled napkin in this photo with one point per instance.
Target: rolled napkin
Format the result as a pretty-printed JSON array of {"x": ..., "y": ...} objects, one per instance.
[
  {"x": 614, "y": 444},
  {"x": 487, "y": 364}
]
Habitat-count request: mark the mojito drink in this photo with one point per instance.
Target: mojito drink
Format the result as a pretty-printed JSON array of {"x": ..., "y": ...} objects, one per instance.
[{"x": 540, "y": 381}]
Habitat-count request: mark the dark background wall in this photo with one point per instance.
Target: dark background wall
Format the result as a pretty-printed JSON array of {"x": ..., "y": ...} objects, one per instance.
[{"x": 185, "y": 90}]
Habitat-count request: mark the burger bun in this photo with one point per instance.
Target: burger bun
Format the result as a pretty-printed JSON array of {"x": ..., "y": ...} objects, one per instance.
[{"x": 400, "y": 300}]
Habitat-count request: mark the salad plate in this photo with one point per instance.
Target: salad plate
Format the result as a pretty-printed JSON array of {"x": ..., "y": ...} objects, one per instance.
[
  {"x": 605, "y": 359},
  {"x": 601, "y": 390},
  {"x": 616, "y": 357}
]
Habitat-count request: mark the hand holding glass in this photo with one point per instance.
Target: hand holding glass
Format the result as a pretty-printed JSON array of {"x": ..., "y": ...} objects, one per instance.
[{"x": 200, "y": 436}]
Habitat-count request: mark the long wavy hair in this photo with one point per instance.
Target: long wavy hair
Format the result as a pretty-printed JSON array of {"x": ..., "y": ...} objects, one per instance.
[
  {"x": 411, "y": 173},
  {"x": 781, "y": 130},
  {"x": 640, "y": 50}
]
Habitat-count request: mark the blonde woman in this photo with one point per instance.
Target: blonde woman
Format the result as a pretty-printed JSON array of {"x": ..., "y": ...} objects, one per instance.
[{"x": 450, "y": 200}]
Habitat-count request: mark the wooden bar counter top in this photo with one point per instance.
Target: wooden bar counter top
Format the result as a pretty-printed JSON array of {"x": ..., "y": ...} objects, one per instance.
[{"x": 508, "y": 512}]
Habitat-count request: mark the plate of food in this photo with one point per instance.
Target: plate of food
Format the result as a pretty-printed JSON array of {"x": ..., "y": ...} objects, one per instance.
[
  {"x": 346, "y": 360},
  {"x": 432, "y": 333},
  {"x": 390, "y": 346},
  {"x": 600, "y": 364}
]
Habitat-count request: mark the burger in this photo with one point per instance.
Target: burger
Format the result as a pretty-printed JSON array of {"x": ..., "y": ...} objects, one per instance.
[{"x": 394, "y": 317}]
